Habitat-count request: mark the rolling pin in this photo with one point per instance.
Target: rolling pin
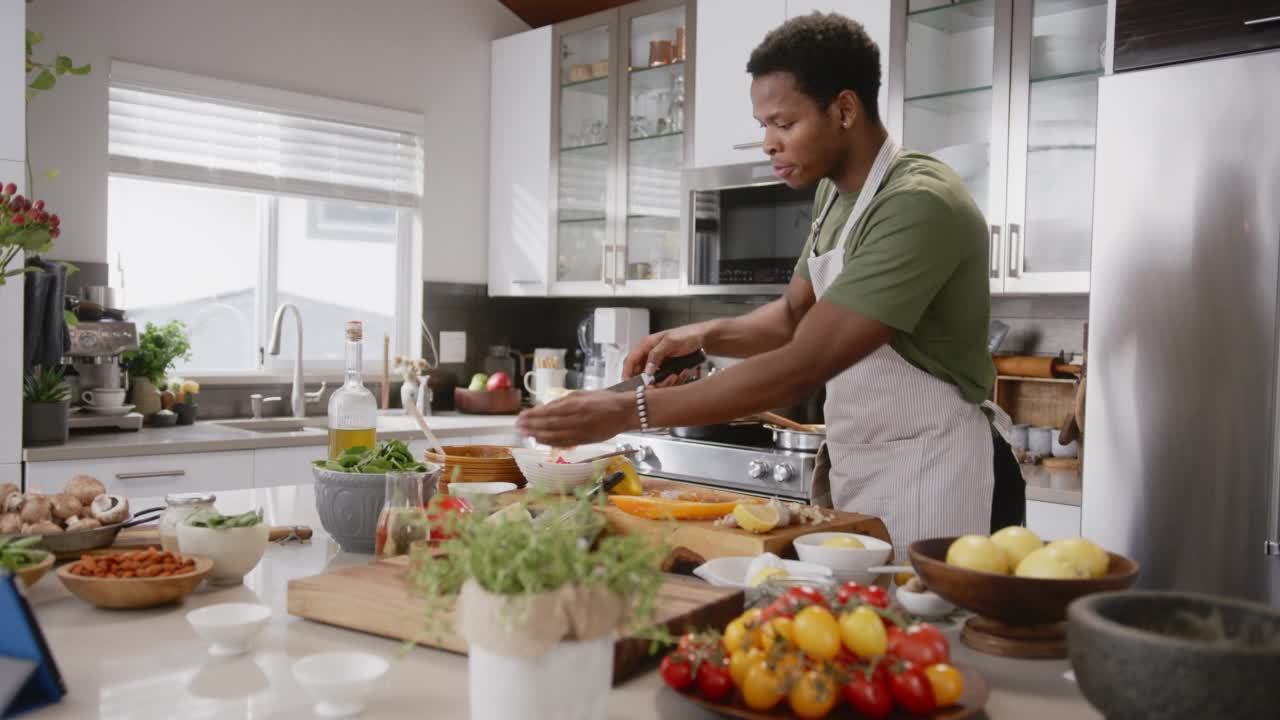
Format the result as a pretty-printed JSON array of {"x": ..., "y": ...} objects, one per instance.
[
  {"x": 1033, "y": 366},
  {"x": 278, "y": 533}
]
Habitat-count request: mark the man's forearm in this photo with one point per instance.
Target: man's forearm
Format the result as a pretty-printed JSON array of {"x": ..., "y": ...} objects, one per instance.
[{"x": 766, "y": 328}]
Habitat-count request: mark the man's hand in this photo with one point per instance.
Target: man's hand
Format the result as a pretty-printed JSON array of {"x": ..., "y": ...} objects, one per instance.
[
  {"x": 651, "y": 351},
  {"x": 580, "y": 418}
]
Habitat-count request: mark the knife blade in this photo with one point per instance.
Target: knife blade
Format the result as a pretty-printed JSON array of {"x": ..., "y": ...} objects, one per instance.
[{"x": 669, "y": 367}]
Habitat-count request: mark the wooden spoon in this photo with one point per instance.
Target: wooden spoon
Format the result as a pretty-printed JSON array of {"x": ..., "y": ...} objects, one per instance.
[{"x": 786, "y": 422}]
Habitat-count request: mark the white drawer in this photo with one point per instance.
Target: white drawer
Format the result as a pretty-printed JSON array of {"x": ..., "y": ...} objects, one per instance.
[
  {"x": 1052, "y": 521},
  {"x": 285, "y": 466},
  {"x": 150, "y": 476}
]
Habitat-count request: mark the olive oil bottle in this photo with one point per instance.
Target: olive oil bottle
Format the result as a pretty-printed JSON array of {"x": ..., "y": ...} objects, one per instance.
[{"x": 353, "y": 413}]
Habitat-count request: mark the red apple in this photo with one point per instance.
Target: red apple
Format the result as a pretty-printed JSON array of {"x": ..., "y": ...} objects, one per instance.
[{"x": 498, "y": 381}]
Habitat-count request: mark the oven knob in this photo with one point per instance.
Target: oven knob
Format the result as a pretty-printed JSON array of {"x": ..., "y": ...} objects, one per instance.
[
  {"x": 783, "y": 473},
  {"x": 758, "y": 469}
]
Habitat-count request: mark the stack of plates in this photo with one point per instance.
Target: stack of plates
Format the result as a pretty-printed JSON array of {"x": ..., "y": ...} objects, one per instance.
[
  {"x": 476, "y": 463},
  {"x": 547, "y": 476}
]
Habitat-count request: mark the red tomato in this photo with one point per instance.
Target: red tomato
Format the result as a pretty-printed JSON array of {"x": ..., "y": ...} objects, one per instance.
[
  {"x": 560, "y": 461},
  {"x": 870, "y": 696},
  {"x": 676, "y": 671},
  {"x": 440, "y": 509},
  {"x": 802, "y": 596},
  {"x": 921, "y": 644},
  {"x": 848, "y": 591},
  {"x": 782, "y": 607},
  {"x": 714, "y": 681},
  {"x": 875, "y": 596},
  {"x": 911, "y": 689}
]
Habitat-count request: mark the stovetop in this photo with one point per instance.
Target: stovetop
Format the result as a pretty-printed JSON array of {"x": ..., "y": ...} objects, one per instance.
[{"x": 756, "y": 470}]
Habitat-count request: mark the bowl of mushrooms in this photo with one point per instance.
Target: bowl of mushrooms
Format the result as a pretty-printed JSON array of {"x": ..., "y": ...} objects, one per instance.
[{"x": 82, "y": 517}]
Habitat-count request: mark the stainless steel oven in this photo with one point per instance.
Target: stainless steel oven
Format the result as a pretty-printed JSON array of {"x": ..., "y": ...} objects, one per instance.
[{"x": 745, "y": 229}]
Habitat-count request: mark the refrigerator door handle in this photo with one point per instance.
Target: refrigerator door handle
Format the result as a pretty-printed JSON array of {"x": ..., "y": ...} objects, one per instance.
[
  {"x": 1273, "y": 547},
  {"x": 995, "y": 251}
]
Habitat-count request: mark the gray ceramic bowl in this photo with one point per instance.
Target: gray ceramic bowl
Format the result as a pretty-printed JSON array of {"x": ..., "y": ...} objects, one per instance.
[
  {"x": 1169, "y": 655},
  {"x": 349, "y": 504}
]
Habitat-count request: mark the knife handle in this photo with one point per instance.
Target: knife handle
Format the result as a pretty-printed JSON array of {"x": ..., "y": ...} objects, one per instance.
[{"x": 675, "y": 365}]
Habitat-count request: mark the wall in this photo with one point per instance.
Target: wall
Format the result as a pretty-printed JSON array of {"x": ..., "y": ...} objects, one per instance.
[{"x": 428, "y": 56}]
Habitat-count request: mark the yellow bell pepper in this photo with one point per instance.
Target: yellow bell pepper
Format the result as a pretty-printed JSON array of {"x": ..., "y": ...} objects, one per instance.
[{"x": 630, "y": 484}]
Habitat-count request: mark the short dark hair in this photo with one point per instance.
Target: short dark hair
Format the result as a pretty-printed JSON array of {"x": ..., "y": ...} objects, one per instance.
[{"x": 827, "y": 54}]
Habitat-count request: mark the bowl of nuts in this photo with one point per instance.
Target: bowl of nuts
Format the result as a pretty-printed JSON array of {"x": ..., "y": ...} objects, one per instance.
[{"x": 136, "y": 579}]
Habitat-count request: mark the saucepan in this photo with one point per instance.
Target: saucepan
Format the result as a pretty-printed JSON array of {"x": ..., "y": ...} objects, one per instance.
[
  {"x": 74, "y": 542},
  {"x": 791, "y": 435}
]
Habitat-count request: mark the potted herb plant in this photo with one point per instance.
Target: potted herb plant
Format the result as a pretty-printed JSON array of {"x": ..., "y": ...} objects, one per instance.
[
  {"x": 158, "y": 347},
  {"x": 540, "y": 606},
  {"x": 46, "y": 400}
]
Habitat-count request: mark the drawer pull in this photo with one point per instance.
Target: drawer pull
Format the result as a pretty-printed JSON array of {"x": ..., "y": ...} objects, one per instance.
[
  {"x": 153, "y": 474},
  {"x": 1262, "y": 21},
  {"x": 748, "y": 146}
]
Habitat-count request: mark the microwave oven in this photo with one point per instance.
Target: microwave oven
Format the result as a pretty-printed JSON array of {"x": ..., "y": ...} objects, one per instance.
[{"x": 744, "y": 227}]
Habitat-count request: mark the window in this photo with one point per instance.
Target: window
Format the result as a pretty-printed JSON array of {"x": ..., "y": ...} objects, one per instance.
[{"x": 227, "y": 201}]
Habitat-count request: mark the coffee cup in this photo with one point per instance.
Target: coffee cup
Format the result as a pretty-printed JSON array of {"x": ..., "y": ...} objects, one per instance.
[
  {"x": 541, "y": 380},
  {"x": 103, "y": 397}
]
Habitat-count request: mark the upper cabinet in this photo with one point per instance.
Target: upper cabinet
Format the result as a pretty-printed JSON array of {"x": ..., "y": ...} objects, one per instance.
[
  {"x": 1006, "y": 94},
  {"x": 1156, "y": 32},
  {"x": 13, "y": 25}
]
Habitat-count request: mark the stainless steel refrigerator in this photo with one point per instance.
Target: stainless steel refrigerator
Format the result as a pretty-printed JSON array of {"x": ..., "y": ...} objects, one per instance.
[{"x": 1182, "y": 461}]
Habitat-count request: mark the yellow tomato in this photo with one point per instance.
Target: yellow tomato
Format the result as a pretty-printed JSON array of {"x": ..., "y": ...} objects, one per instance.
[
  {"x": 946, "y": 682},
  {"x": 783, "y": 627},
  {"x": 762, "y": 687},
  {"x": 813, "y": 695},
  {"x": 741, "y": 661},
  {"x": 787, "y": 666},
  {"x": 817, "y": 633},
  {"x": 863, "y": 633},
  {"x": 735, "y": 636}
]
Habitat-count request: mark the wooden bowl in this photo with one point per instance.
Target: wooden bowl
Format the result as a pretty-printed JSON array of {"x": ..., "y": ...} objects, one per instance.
[
  {"x": 1009, "y": 599},
  {"x": 31, "y": 574},
  {"x": 134, "y": 593},
  {"x": 487, "y": 402},
  {"x": 476, "y": 463}
]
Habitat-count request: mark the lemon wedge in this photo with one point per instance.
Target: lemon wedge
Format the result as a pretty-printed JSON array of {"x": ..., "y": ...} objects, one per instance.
[
  {"x": 765, "y": 574},
  {"x": 758, "y": 518},
  {"x": 844, "y": 541}
]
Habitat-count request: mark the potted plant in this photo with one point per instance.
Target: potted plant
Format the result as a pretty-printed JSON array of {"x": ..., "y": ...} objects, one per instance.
[
  {"x": 413, "y": 390},
  {"x": 540, "y": 606},
  {"x": 46, "y": 401},
  {"x": 158, "y": 347},
  {"x": 184, "y": 399}
]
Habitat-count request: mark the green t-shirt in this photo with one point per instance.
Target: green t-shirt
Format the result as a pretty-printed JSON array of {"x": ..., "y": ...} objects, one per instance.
[{"x": 917, "y": 262}]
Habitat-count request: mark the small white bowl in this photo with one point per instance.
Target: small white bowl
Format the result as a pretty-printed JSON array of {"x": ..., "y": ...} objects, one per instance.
[
  {"x": 732, "y": 571},
  {"x": 480, "y": 494},
  {"x": 927, "y": 604},
  {"x": 234, "y": 551},
  {"x": 845, "y": 563},
  {"x": 229, "y": 627},
  {"x": 339, "y": 681},
  {"x": 536, "y": 465}
]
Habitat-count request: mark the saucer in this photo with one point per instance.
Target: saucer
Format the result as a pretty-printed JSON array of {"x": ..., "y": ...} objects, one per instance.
[{"x": 109, "y": 411}]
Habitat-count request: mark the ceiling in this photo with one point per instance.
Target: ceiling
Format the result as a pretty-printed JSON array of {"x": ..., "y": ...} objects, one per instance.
[{"x": 546, "y": 12}]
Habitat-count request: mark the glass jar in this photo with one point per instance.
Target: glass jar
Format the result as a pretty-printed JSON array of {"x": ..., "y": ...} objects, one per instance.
[
  {"x": 179, "y": 507},
  {"x": 403, "y": 519}
]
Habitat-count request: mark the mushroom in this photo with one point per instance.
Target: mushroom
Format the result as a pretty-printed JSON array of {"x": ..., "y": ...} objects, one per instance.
[
  {"x": 36, "y": 508},
  {"x": 81, "y": 523},
  {"x": 85, "y": 488},
  {"x": 10, "y": 523},
  {"x": 6, "y": 489},
  {"x": 110, "y": 509},
  {"x": 44, "y": 527},
  {"x": 13, "y": 503},
  {"x": 65, "y": 506}
]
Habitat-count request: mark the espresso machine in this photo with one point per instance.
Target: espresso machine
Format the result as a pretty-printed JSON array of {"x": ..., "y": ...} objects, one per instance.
[{"x": 95, "y": 355}]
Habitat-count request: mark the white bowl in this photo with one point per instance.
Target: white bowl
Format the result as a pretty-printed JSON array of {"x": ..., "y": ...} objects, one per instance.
[
  {"x": 536, "y": 465},
  {"x": 732, "y": 571},
  {"x": 339, "y": 681},
  {"x": 229, "y": 627},
  {"x": 927, "y": 604},
  {"x": 845, "y": 563},
  {"x": 234, "y": 551}
]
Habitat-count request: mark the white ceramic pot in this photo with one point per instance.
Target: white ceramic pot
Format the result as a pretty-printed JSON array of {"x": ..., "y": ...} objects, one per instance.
[
  {"x": 571, "y": 682},
  {"x": 234, "y": 551}
]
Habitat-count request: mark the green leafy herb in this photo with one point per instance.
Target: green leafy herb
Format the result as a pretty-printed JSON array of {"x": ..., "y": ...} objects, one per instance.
[
  {"x": 46, "y": 386},
  {"x": 20, "y": 553},
  {"x": 389, "y": 456},
  {"x": 158, "y": 347},
  {"x": 217, "y": 521}
]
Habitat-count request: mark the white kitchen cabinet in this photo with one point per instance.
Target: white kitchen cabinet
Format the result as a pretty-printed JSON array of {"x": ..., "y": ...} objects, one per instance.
[
  {"x": 1053, "y": 521},
  {"x": 724, "y": 130},
  {"x": 11, "y": 348},
  {"x": 519, "y": 153},
  {"x": 11, "y": 473},
  {"x": 150, "y": 476},
  {"x": 275, "y": 467},
  {"x": 13, "y": 28}
]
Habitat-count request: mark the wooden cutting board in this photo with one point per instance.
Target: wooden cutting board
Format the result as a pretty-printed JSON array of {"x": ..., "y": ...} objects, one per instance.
[{"x": 376, "y": 598}]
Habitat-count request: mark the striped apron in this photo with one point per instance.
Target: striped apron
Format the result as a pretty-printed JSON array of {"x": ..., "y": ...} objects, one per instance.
[{"x": 903, "y": 445}]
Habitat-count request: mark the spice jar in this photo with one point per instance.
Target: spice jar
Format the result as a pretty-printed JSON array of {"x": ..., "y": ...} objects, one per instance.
[{"x": 179, "y": 507}]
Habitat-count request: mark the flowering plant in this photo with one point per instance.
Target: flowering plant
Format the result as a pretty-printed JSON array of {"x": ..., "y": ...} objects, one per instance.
[
  {"x": 411, "y": 369},
  {"x": 25, "y": 226}
]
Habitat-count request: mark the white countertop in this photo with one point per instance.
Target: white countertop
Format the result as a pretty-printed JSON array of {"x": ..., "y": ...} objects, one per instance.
[
  {"x": 1064, "y": 487},
  {"x": 149, "y": 663},
  {"x": 211, "y": 436}
]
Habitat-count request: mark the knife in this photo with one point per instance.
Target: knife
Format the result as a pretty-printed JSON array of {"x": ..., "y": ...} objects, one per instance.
[{"x": 669, "y": 367}]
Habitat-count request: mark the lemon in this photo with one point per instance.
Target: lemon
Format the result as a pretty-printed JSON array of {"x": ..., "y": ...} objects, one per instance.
[
  {"x": 757, "y": 517},
  {"x": 844, "y": 541},
  {"x": 976, "y": 552},
  {"x": 1085, "y": 555},
  {"x": 1044, "y": 563},
  {"x": 1017, "y": 542},
  {"x": 765, "y": 574}
]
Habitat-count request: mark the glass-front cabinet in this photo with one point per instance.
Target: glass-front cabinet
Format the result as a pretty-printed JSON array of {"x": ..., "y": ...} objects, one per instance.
[
  {"x": 619, "y": 149},
  {"x": 1005, "y": 93}
]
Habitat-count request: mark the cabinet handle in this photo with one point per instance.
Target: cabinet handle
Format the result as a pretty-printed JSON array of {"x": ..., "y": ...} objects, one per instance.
[
  {"x": 154, "y": 474},
  {"x": 1015, "y": 250},
  {"x": 526, "y": 282},
  {"x": 995, "y": 251},
  {"x": 1262, "y": 21},
  {"x": 748, "y": 146},
  {"x": 1272, "y": 547},
  {"x": 606, "y": 268}
]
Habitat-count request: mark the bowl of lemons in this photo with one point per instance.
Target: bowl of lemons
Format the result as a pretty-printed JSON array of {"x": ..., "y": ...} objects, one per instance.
[{"x": 849, "y": 555}]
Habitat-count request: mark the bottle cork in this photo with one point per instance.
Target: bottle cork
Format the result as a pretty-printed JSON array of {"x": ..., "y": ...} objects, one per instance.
[{"x": 355, "y": 331}]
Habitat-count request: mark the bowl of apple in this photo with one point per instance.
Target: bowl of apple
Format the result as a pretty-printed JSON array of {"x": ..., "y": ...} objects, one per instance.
[{"x": 488, "y": 395}]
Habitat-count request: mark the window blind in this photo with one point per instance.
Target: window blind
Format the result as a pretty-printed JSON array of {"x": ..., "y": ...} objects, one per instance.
[{"x": 175, "y": 135}]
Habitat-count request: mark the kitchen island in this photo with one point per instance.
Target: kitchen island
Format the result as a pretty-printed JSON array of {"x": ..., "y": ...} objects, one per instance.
[{"x": 150, "y": 664}]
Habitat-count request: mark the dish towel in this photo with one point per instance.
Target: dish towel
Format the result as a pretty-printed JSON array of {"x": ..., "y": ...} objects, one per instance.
[{"x": 46, "y": 338}]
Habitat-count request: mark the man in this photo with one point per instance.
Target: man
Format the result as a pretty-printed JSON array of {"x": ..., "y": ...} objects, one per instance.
[{"x": 889, "y": 306}]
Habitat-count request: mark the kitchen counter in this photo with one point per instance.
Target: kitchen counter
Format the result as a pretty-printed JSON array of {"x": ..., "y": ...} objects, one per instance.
[
  {"x": 150, "y": 664},
  {"x": 1056, "y": 486},
  {"x": 212, "y": 436}
]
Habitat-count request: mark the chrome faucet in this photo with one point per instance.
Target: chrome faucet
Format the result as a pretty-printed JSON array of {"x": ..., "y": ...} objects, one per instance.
[{"x": 299, "y": 398}]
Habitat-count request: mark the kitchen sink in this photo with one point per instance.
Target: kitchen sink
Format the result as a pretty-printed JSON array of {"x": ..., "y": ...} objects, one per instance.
[{"x": 276, "y": 425}]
